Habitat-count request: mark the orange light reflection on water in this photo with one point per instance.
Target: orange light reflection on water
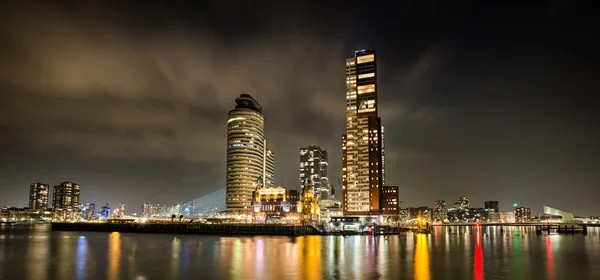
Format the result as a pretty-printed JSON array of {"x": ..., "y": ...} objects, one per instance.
[
  {"x": 422, "y": 258},
  {"x": 114, "y": 255},
  {"x": 312, "y": 257}
]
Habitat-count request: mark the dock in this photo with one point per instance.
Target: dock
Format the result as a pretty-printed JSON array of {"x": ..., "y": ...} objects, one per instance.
[{"x": 190, "y": 228}]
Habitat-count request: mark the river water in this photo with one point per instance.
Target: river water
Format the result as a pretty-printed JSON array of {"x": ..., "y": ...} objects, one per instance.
[{"x": 34, "y": 252}]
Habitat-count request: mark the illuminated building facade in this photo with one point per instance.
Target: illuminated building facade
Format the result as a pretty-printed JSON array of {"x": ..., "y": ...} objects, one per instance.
[
  {"x": 489, "y": 205},
  {"x": 309, "y": 204},
  {"x": 65, "y": 202},
  {"x": 88, "y": 211},
  {"x": 389, "y": 199},
  {"x": 38, "y": 196},
  {"x": 362, "y": 145},
  {"x": 66, "y": 196},
  {"x": 522, "y": 214},
  {"x": 247, "y": 153},
  {"x": 439, "y": 210},
  {"x": 274, "y": 204},
  {"x": 313, "y": 168},
  {"x": 105, "y": 211}
]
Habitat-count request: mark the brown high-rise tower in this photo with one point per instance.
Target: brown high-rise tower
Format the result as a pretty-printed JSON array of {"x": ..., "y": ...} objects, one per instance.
[{"x": 363, "y": 149}]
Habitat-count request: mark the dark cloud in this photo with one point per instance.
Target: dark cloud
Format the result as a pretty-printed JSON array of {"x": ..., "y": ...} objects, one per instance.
[{"x": 132, "y": 102}]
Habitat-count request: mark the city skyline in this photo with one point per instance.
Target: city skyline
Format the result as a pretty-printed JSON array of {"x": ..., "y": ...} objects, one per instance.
[{"x": 133, "y": 108}]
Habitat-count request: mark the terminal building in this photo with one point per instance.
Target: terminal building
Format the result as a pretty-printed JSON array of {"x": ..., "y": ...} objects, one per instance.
[{"x": 275, "y": 204}]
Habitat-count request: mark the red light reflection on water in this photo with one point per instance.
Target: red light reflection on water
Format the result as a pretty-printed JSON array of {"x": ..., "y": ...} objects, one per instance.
[
  {"x": 549, "y": 259},
  {"x": 478, "y": 258}
]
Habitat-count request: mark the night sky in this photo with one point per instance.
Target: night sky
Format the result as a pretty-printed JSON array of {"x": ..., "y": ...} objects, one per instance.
[{"x": 130, "y": 100}]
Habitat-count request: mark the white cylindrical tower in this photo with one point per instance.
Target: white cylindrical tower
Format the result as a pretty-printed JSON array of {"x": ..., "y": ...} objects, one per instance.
[{"x": 245, "y": 152}]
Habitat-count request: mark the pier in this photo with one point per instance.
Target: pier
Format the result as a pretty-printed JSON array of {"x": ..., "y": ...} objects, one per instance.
[{"x": 190, "y": 228}]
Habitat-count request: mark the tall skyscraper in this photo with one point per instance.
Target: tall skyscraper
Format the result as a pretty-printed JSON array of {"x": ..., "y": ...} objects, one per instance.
[
  {"x": 66, "y": 196},
  {"x": 362, "y": 145},
  {"x": 313, "y": 169},
  {"x": 38, "y": 196},
  {"x": 247, "y": 155}
]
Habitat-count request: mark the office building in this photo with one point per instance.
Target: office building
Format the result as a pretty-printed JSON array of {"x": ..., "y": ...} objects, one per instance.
[
  {"x": 389, "y": 200},
  {"x": 247, "y": 155},
  {"x": 313, "y": 169},
  {"x": 522, "y": 214},
  {"x": 38, "y": 196},
  {"x": 66, "y": 196},
  {"x": 489, "y": 205},
  {"x": 439, "y": 210},
  {"x": 362, "y": 145}
]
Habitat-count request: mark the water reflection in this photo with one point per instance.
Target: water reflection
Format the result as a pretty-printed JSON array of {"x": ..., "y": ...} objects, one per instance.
[
  {"x": 175, "y": 253},
  {"x": 236, "y": 262},
  {"x": 478, "y": 258},
  {"x": 80, "y": 270},
  {"x": 312, "y": 257},
  {"x": 37, "y": 260},
  {"x": 549, "y": 259},
  {"x": 114, "y": 255},
  {"x": 422, "y": 258},
  {"x": 517, "y": 253}
]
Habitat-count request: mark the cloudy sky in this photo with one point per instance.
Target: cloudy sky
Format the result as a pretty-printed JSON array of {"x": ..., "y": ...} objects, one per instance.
[{"x": 130, "y": 100}]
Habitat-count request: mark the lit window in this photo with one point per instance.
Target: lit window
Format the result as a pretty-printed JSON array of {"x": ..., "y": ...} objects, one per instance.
[
  {"x": 366, "y": 88},
  {"x": 367, "y": 75},
  {"x": 365, "y": 58}
]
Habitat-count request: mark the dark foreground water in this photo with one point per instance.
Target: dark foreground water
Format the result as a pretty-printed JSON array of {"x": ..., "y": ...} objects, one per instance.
[{"x": 34, "y": 252}]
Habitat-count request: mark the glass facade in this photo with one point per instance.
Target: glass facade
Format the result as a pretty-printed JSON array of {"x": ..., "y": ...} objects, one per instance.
[{"x": 313, "y": 169}]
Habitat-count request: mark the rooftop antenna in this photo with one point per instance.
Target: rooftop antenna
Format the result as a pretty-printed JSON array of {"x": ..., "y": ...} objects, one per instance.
[{"x": 257, "y": 97}]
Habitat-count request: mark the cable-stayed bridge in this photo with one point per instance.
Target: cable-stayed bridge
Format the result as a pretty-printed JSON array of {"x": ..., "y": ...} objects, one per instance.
[{"x": 204, "y": 206}]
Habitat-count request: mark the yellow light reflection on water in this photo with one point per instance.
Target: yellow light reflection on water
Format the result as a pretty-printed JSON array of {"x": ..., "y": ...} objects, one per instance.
[
  {"x": 312, "y": 257},
  {"x": 38, "y": 251},
  {"x": 175, "y": 256},
  {"x": 114, "y": 255},
  {"x": 422, "y": 258},
  {"x": 236, "y": 269}
]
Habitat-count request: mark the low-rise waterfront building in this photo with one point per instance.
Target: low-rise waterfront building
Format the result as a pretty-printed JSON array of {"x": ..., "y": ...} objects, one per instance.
[{"x": 20, "y": 215}]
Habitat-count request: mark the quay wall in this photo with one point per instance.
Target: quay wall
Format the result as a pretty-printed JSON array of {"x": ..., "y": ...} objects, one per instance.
[{"x": 181, "y": 228}]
